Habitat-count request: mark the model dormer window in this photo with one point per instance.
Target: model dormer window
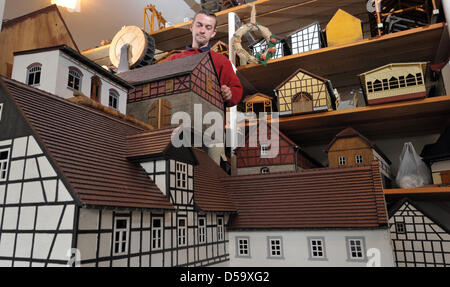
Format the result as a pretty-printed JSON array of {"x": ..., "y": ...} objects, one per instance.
[
  {"x": 75, "y": 77},
  {"x": 113, "y": 99},
  {"x": 4, "y": 160},
  {"x": 342, "y": 160},
  {"x": 34, "y": 74},
  {"x": 121, "y": 230}
]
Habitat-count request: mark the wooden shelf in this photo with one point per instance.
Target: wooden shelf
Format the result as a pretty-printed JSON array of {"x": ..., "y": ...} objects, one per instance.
[
  {"x": 342, "y": 64},
  {"x": 419, "y": 191},
  {"x": 394, "y": 120},
  {"x": 282, "y": 18}
]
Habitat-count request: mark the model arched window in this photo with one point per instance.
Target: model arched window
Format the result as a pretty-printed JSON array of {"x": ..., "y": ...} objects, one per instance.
[
  {"x": 75, "y": 77},
  {"x": 377, "y": 86},
  {"x": 393, "y": 83},
  {"x": 410, "y": 80},
  {"x": 34, "y": 74},
  {"x": 114, "y": 99}
]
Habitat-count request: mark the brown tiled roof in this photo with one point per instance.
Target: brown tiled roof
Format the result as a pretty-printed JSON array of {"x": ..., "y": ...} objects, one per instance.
[
  {"x": 150, "y": 143},
  {"x": 163, "y": 70},
  {"x": 209, "y": 192},
  {"x": 351, "y": 132},
  {"x": 89, "y": 148},
  {"x": 310, "y": 199}
]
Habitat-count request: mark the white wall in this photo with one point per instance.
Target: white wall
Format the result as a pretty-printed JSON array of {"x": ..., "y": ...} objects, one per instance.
[
  {"x": 296, "y": 248},
  {"x": 49, "y": 61},
  {"x": 55, "y": 75}
]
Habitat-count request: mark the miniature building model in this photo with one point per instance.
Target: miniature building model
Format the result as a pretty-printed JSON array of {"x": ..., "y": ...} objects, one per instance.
[
  {"x": 119, "y": 193},
  {"x": 221, "y": 48},
  {"x": 304, "y": 92},
  {"x": 350, "y": 148},
  {"x": 39, "y": 29},
  {"x": 394, "y": 82},
  {"x": 62, "y": 71},
  {"x": 180, "y": 84},
  {"x": 437, "y": 155},
  {"x": 258, "y": 103},
  {"x": 420, "y": 232},
  {"x": 343, "y": 28},
  {"x": 253, "y": 159},
  {"x": 309, "y": 218},
  {"x": 306, "y": 39},
  {"x": 261, "y": 46}
]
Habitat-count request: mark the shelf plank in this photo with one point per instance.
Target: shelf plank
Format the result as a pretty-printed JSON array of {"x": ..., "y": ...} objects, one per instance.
[
  {"x": 393, "y": 120},
  {"x": 418, "y": 191},
  {"x": 342, "y": 64}
]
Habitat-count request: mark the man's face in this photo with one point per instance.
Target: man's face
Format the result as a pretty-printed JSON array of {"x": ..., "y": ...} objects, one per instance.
[{"x": 202, "y": 30}]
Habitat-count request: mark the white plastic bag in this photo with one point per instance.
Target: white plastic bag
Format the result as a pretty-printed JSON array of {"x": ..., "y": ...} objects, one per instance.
[{"x": 412, "y": 172}]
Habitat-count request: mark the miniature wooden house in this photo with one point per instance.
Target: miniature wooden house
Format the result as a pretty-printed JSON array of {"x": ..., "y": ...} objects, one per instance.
[
  {"x": 258, "y": 103},
  {"x": 306, "y": 39},
  {"x": 437, "y": 155},
  {"x": 350, "y": 148},
  {"x": 343, "y": 28},
  {"x": 304, "y": 92},
  {"x": 394, "y": 82},
  {"x": 251, "y": 158},
  {"x": 166, "y": 88},
  {"x": 221, "y": 48},
  {"x": 260, "y": 46}
]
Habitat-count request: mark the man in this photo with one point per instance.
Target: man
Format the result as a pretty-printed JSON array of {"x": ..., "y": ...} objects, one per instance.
[{"x": 203, "y": 29}]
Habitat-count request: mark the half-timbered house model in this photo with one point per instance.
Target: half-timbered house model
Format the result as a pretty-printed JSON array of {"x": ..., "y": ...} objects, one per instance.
[
  {"x": 394, "y": 82},
  {"x": 63, "y": 71},
  {"x": 304, "y": 92},
  {"x": 318, "y": 217},
  {"x": 258, "y": 103},
  {"x": 282, "y": 49},
  {"x": 75, "y": 180},
  {"x": 306, "y": 39},
  {"x": 253, "y": 160},
  {"x": 437, "y": 156},
  {"x": 420, "y": 232},
  {"x": 343, "y": 28},
  {"x": 350, "y": 148}
]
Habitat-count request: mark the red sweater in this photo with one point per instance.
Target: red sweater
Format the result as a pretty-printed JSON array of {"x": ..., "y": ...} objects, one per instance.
[{"x": 224, "y": 69}]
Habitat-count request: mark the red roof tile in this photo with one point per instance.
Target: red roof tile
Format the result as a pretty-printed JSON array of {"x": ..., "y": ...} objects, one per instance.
[
  {"x": 319, "y": 198},
  {"x": 209, "y": 192},
  {"x": 89, "y": 148}
]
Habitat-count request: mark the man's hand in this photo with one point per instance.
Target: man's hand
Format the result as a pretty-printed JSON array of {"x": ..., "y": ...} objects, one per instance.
[{"x": 226, "y": 93}]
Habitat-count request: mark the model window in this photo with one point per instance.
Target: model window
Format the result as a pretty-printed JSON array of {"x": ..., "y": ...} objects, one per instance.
[
  {"x": 34, "y": 75},
  {"x": 74, "y": 80},
  {"x": 400, "y": 227},
  {"x": 317, "y": 249},
  {"x": 156, "y": 233},
  {"x": 220, "y": 229},
  {"x": 1, "y": 110},
  {"x": 410, "y": 80},
  {"x": 202, "y": 230},
  {"x": 4, "y": 160},
  {"x": 121, "y": 229},
  {"x": 393, "y": 83},
  {"x": 369, "y": 87},
  {"x": 265, "y": 170},
  {"x": 342, "y": 160},
  {"x": 402, "y": 81},
  {"x": 385, "y": 84},
  {"x": 181, "y": 231},
  {"x": 377, "y": 86},
  {"x": 264, "y": 149},
  {"x": 358, "y": 159},
  {"x": 275, "y": 247},
  {"x": 243, "y": 247},
  {"x": 113, "y": 99},
  {"x": 419, "y": 78},
  {"x": 355, "y": 248},
  {"x": 181, "y": 172}
]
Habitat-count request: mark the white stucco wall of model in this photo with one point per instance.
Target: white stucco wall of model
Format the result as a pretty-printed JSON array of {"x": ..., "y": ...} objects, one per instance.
[
  {"x": 295, "y": 248},
  {"x": 55, "y": 75}
]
